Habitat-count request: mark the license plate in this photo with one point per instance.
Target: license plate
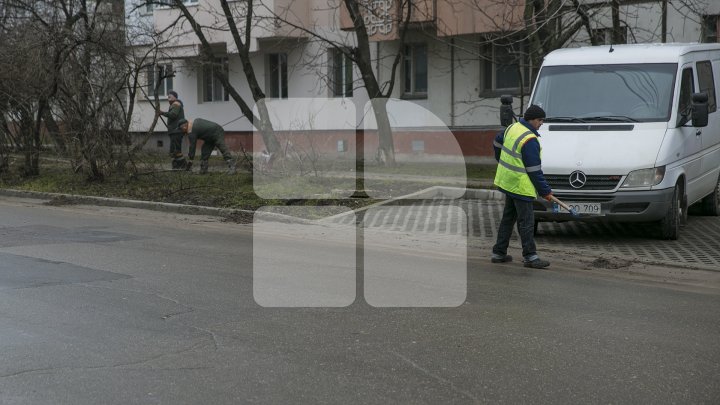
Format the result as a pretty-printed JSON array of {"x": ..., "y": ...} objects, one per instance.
[{"x": 580, "y": 208}]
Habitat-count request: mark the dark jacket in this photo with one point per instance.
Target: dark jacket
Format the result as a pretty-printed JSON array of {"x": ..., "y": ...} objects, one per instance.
[
  {"x": 530, "y": 157},
  {"x": 174, "y": 114},
  {"x": 210, "y": 132}
]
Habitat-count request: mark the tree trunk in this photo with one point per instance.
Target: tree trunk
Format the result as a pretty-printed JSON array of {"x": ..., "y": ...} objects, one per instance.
[
  {"x": 617, "y": 36},
  {"x": 53, "y": 130},
  {"x": 264, "y": 125},
  {"x": 27, "y": 129},
  {"x": 363, "y": 60}
]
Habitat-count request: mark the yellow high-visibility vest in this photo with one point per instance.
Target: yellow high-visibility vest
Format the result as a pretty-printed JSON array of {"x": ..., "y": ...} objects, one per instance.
[{"x": 512, "y": 175}]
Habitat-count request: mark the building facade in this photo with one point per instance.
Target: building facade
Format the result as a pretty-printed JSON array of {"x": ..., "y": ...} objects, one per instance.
[{"x": 457, "y": 56}]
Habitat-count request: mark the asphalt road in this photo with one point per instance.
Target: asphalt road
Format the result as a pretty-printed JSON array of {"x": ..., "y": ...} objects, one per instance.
[{"x": 120, "y": 306}]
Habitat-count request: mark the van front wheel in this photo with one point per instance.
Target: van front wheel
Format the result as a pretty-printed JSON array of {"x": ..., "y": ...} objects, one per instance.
[
  {"x": 670, "y": 225},
  {"x": 711, "y": 203}
]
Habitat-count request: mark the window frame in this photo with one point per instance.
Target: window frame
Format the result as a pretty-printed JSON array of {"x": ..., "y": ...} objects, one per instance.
[
  {"x": 148, "y": 9},
  {"x": 207, "y": 77},
  {"x": 344, "y": 86},
  {"x": 711, "y": 35},
  {"x": 489, "y": 68},
  {"x": 155, "y": 70},
  {"x": 410, "y": 63},
  {"x": 277, "y": 75},
  {"x": 607, "y": 33}
]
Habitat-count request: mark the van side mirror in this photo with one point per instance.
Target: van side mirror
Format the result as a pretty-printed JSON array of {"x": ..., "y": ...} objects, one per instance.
[
  {"x": 506, "y": 111},
  {"x": 700, "y": 110}
]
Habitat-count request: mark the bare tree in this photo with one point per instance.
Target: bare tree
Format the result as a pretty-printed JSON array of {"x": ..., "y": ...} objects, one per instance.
[
  {"x": 22, "y": 84},
  {"x": 362, "y": 57},
  {"x": 69, "y": 74},
  {"x": 546, "y": 25},
  {"x": 549, "y": 26},
  {"x": 139, "y": 60},
  {"x": 232, "y": 12},
  {"x": 359, "y": 52}
]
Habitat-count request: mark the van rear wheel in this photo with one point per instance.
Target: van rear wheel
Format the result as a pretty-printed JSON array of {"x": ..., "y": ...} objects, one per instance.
[
  {"x": 711, "y": 203},
  {"x": 670, "y": 225}
]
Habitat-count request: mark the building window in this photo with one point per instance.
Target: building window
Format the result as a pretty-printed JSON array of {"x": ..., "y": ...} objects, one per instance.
[
  {"x": 707, "y": 83},
  {"x": 161, "y": 73},
  {"x": 341, "y": 77},
  {"x": 506, "y": 69},
  {"x": 711, "y": 28},
  {"x": 277, "y": 75},
  {"x": 604, "y": 36},
  {"x": 415, "y": 70},
  {"x": 212, "y": 88}
]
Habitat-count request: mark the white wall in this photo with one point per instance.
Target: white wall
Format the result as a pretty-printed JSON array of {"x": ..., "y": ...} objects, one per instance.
[{"x": 308, "y": 68}]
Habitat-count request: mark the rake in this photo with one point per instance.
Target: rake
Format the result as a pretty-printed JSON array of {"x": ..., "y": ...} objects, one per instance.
[{"x": 562, "y": 204}]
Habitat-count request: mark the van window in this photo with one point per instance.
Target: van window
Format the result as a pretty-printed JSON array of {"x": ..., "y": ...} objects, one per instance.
[
  {"x": 707, "y": 83},
  {"x": 687, "y": 88},
  {"x": 630, "y": 92}
]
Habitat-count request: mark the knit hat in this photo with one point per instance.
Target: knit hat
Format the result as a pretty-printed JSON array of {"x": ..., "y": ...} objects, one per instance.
[
  {"x": 181, "y": 121},
  {"x": 172, "y": 93},
  {"x": 534, "y": 112}
]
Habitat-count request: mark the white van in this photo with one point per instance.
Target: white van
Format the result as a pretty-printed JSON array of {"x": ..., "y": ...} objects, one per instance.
[{"x": 632, "y": 132}]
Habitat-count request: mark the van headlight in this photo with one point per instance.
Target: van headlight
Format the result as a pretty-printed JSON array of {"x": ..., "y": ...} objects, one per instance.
[{"x": 644, "y": 177}]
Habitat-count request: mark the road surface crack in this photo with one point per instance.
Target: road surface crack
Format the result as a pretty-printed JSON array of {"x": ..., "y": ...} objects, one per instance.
[{"x": 435, "y": 376}]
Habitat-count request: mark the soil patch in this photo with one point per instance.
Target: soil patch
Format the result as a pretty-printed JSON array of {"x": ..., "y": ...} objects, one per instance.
[
  {"x": 239, "y": 217},
  {"x": 62, "y": 200},
  {"x": 610, "y": 263}
]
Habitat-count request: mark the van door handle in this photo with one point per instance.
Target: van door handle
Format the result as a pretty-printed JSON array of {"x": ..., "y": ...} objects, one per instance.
[{"x": 698, "y": 132}]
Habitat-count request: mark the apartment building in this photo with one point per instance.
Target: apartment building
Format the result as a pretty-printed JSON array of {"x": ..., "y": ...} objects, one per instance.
[{"x": 457, "y": 56}]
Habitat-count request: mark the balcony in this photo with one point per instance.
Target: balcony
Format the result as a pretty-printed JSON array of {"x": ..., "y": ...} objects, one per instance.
[
  {"x": 460, "y": 17},
  {"x": 382, "y": 17},
  {"x": 273, "y": 19},
  {"x": 445, "y": 17}
]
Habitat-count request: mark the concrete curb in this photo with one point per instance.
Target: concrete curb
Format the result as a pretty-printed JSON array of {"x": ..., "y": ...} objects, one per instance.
[
  {"x": 121, "y": 202},
  {"x": 429, "y": 193}
]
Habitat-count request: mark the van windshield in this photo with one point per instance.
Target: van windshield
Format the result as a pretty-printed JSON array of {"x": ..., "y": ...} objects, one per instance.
[{"x": 606, "y": 93}]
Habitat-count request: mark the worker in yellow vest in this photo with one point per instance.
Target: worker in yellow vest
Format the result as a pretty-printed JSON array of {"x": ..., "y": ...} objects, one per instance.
[{"x": 519, "y": 176}]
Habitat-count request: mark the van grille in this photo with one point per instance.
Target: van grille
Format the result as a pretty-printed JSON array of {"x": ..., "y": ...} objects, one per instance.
[{"x": 562, "y": 182}]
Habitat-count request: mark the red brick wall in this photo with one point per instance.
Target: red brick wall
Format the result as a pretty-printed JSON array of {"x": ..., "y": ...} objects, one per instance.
[{"x": 471, "y": 142}]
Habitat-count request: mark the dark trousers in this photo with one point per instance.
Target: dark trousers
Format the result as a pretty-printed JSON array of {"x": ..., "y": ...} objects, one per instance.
[
  {"x": 178, "y": 161},
  {"x": 213, "y": 142},
  {"x": 176, "y": 143},
  {"x": 519, "y": 211}
]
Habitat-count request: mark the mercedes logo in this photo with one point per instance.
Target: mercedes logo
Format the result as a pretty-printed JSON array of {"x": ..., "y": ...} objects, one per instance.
[{"x": 577, "y": 179}]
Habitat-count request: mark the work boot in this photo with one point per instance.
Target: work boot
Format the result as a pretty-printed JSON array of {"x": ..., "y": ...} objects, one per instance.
[
  {"x": 500, "y": 259},
  {"x": 178, "y": 163},
  {"x": 536, "y": 264},
  {"x": 231, "y": 166},
  {"x": 204, "y": 166}
]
